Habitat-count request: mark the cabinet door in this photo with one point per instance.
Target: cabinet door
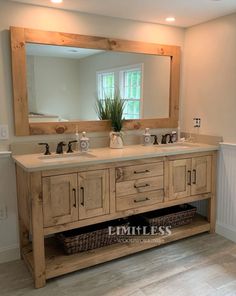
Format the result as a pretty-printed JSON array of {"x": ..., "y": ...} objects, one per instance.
[
  {"x": 93, "y": 194},
  {"x": 201, "y": 175},
  {"x": 60, "y": 199},
  {"x": 179, "y": 178}
]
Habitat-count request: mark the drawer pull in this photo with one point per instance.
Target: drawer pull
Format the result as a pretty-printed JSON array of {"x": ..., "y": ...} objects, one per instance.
[
  {"x": 141, "y": 186},
  {"x": 141, "y": 172},
  {"x": 74, "y": 193},
  {"x": 189, "y": 177},
  {"x": 194, "y": 176},
  {"x": 82, "y": 196},
  {"x": 141, "y": 200}
]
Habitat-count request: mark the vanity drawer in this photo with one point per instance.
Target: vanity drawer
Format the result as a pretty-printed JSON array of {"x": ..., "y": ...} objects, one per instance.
[
  {"x": 139, "y": 200},
  {"x": 139, "y": 186},
  {"x": 139, "y": 171}
]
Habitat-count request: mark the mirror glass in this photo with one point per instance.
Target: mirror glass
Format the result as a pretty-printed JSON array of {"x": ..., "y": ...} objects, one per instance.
[{"x": 64, "y": 82}]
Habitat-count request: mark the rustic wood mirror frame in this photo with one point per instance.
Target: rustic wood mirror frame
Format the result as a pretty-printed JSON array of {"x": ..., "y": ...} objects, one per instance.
[{"x": 21, "y": 36}]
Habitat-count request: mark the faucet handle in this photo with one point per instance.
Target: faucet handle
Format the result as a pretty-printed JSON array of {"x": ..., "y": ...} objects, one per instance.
[
  {"x": 155, "y": 139},
  {"x": 70, "y": 146},
  {"x": 165, "y": 139},
  {"x": 47, "y": 152}
]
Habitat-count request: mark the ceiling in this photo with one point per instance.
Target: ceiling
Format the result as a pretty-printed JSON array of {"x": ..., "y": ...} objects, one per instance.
[
  {"x": 186, "y": 12},
  {"x": 60, "y": 51}
]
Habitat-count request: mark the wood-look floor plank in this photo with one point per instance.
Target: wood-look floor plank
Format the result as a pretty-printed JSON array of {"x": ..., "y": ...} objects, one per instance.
[{"x": 204, "y": 265}]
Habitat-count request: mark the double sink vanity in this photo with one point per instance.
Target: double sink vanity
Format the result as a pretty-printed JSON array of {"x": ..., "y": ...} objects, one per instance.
[{"x": 59, "y": 193}]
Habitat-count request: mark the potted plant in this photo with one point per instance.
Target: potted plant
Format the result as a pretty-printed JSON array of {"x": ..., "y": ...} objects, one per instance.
[{"x": 112, "y": 108}]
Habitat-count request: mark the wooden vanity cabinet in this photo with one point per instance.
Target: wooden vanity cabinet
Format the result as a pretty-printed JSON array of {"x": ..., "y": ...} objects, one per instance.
[
  {"x": 190, "y": 176},
  {"x": 68, "y": 198}
]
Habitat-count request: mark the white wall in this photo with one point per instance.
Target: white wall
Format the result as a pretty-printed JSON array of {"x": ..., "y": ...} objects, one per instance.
[
  {"x": 209, "y": 85},
  {"x": 15, "y": 14},
  {"x": 210, "y": 78}
]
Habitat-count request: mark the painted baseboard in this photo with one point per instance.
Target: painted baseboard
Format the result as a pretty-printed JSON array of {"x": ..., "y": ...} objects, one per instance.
[
  {"x": 226, "y": 231},
  {"x": 9, "y": 253}
]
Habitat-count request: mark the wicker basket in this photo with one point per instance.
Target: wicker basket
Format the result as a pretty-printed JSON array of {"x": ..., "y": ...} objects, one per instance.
[
  {"x": 173, "y": 216},
  {"x": 88, "y": 238}
]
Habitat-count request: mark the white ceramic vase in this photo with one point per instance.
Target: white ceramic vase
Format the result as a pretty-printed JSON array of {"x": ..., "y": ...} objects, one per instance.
[{"x": 116, "y": 140}]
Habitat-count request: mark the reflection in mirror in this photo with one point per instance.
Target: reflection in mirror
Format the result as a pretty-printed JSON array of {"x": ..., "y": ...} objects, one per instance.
[{"x": 64, "y": 82}]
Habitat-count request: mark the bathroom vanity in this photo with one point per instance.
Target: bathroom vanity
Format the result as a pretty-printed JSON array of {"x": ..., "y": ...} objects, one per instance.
[{"x": 61, "y": 193}]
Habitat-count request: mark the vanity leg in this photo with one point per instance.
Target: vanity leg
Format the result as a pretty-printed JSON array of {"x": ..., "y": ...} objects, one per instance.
[
  {"x": 37, "y": 231},
  {"x": 212, "y": 201},
  {"x": 24, "y": 237},
  {"x": 22, "y": 200},
  {"x": 212, "y": 214}
]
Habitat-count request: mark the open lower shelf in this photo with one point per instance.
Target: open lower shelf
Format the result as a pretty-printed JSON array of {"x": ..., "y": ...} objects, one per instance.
[{"x": 57, "y": 263}]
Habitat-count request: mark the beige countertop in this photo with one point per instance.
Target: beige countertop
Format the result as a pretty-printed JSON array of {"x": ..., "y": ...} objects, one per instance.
[{"x": 39, "y": 162}]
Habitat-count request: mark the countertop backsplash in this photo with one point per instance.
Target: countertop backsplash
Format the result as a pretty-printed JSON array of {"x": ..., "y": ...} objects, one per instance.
[{"x": 97, "y": 140}]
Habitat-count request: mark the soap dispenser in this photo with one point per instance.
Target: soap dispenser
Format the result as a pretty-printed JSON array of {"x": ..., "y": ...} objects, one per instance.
[
  {"x": 147, "y": 138},
  {"x": 84, "y": 142},
  {"x": 77, "y": 138}
]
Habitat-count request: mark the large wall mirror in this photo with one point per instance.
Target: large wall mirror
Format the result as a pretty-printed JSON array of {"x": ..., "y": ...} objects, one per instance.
[{"x": 58, "y": 77}]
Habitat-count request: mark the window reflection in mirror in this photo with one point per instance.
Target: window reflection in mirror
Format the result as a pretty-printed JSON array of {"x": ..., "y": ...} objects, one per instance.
[{"x": 64, "y": 82}]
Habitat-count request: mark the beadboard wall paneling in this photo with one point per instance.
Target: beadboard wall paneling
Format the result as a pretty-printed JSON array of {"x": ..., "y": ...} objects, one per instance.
[
  {"x": 9, "y": 245},
  {"x": 226, "y": 196}
]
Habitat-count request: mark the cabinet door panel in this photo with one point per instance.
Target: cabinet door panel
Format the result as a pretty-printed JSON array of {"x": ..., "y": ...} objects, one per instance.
[
  {"x": 60, "y": 199},
  {"x": 201, "y": 175},
  {"x": 179, "y": 178},
  {"x": 93, "y": 194}
]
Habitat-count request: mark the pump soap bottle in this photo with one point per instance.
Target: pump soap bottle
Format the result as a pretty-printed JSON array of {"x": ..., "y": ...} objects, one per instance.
[
  {"x": 77, "y": 138},
  {"x": 84, "y": 142},
  {"x": 147, "y": 138}
]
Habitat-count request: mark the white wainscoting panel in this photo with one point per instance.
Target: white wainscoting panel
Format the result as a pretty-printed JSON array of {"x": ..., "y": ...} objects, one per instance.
[
  {"x": 226, "y": 191},
  {"x": 9, "y": 245}
]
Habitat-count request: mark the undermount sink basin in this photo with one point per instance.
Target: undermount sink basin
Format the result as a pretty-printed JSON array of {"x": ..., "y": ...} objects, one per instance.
[{"x": 66, "y": 156}]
